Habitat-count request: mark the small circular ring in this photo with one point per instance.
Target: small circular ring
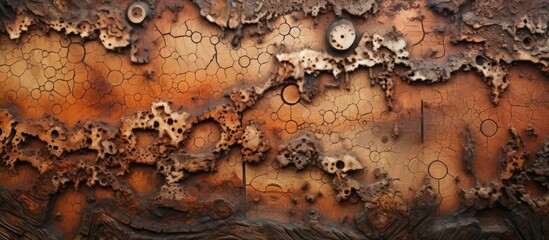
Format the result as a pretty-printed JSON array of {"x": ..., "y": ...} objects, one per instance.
[{"x": 138, "y": 12}]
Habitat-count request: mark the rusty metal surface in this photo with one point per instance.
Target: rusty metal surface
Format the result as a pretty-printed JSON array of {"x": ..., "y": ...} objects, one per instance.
[{"x": 305, "y": 119}]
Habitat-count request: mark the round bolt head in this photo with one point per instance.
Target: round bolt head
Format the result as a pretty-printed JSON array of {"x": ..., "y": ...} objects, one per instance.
[
  {"x": 341, "y": 34},
  {"x": 138, "y": 11}
]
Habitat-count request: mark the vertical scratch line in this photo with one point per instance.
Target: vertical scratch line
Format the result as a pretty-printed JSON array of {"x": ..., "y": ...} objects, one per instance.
[
  {"x": 422, "y": 124},
  {"x": 244, "y": 189}
]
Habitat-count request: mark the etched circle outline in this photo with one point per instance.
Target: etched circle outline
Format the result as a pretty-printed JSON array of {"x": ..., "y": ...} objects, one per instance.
[
  {"x": 377, "y": 158},
  {"x": 282, "y": 94},
  {"x": 274, "y": 194},
  {"x": 484, "y": 131},
  {"x": 443, "y": 164}
]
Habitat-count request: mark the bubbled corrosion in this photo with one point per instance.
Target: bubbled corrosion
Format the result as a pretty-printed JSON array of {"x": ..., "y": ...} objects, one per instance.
[{"x": 302, "y": 119}]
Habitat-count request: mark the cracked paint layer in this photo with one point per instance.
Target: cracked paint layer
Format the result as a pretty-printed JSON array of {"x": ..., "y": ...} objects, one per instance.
[{"x": 305, "y": 119}]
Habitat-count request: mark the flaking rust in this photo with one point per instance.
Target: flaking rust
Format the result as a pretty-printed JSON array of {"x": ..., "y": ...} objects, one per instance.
[{"x": 274, "y": 119}]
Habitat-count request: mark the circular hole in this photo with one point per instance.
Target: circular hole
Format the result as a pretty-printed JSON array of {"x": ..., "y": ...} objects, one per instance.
[
  {"x": 479, "y": 60},
  {"x": 340, "y": 164},
  {"x": 527, "y": 41},
  {"x": 342, "y": 36},
  {"x": 137, "y": 12},
  {"x": 54, "y": 134}
]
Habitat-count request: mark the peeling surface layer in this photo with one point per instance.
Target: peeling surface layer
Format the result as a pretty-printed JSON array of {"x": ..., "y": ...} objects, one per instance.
[{"x": 301, "y": 119}]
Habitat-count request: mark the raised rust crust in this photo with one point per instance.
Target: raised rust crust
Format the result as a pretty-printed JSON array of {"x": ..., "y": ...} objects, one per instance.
[{"x": 268, "y": 119}]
